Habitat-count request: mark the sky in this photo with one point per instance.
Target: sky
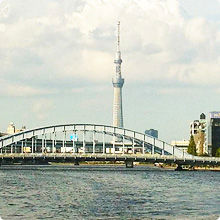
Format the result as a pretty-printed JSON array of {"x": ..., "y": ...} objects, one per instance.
[{"x": 57, "y": 62}]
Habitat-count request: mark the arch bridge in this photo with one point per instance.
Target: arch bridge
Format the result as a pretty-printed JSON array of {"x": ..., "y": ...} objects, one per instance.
[{"x": 91, "y": 142}]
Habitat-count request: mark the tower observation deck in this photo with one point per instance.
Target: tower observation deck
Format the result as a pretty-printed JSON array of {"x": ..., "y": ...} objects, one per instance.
[{"x": 118, "y": 82}]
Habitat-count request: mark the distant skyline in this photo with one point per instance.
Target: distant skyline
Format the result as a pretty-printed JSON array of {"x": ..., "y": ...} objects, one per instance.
[{"x": 57, "y": 62}]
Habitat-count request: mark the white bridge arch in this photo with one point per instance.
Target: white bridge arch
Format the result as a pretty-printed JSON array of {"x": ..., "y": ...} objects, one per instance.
[{"x": 137, "y": 139}]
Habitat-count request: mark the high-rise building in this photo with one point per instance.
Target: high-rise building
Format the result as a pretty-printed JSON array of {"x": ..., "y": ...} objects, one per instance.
[
  {"x": 152, "y": 132},
  {"x": 118, "y": 82},
  {"x": 198, "y": 128},
  {"x": 206, "y": 133},
  {"x": 214, "y": 133}
]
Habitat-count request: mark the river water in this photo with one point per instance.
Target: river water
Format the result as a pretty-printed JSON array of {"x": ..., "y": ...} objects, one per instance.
[{"x": 107, "y": 192}]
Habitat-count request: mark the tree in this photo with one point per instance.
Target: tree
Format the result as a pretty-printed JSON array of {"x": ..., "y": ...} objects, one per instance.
[
  {"x": 192, "y": 146},
  {"x": 217, "y": 154}
]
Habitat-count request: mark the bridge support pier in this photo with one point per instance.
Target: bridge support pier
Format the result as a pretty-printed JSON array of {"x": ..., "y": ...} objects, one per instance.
[
  {"x": 129, "y": 164},
  {"x": 76, "y": 163}
]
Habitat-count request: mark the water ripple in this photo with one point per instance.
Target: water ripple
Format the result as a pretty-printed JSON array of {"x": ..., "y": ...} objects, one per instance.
[{"x": 107, "y": 192}]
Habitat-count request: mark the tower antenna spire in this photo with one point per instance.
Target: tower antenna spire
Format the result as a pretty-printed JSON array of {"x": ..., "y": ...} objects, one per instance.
[{"x": 118, "y": 36}]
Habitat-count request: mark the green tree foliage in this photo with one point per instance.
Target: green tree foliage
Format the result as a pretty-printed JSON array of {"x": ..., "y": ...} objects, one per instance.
[
  {"x": 192, "y": 146},
  {"x": 217, "y": 154}
]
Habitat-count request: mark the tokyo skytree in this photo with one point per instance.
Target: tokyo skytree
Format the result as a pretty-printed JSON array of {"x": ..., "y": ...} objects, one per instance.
[{"x": 118, "y": 82}]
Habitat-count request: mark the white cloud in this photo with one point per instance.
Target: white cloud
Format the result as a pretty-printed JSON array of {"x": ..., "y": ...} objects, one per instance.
[
  {"x": 172, "y": 91},
  {"x": 19, "y": 90},
  {"x": 42, "y": 108},
  {"x": 200, "y": 31},
  {"x": 72, "y": 41},
  {"x": 4, "y": 12}
]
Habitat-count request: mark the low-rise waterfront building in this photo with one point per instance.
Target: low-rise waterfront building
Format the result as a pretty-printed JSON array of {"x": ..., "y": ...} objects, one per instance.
[
  {"x": 11, "y": 129},
  {"x": 2, "y": 134},
  {"x": 182, "y": 145}
]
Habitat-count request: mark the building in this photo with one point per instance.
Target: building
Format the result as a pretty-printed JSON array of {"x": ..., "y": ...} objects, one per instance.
[
  {"x": 198, "y": 128},
  {"x": 2, "y": 134},
  {"x": 11, "y": 129},
  {"x": 118, "y": 82},
  {"x": 206, "y": 133},
  {"x": 214, "y": 133},
  {"x": 182, "y": 145},
  {"x": 152, "y": 132},
  {"x": 19, "y": 130}
]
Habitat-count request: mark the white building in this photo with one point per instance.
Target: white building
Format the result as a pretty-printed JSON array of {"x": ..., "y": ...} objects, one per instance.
[
  {"x": 11, "y": 128},
  {"x": 182, "y": 145}
]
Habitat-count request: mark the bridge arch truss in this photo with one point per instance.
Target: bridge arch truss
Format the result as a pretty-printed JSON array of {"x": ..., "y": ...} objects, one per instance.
[{"x": 40, "y": 139}]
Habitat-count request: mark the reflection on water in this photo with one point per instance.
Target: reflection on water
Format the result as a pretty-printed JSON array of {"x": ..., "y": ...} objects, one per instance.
[{"x": 107, "y": 192}]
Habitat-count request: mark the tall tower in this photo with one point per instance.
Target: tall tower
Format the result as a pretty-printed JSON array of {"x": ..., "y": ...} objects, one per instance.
[{"x": 118, "y": 82}]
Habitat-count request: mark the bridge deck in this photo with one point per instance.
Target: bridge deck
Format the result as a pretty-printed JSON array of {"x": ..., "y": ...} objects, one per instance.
[{"x": 68, "y": 157}]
